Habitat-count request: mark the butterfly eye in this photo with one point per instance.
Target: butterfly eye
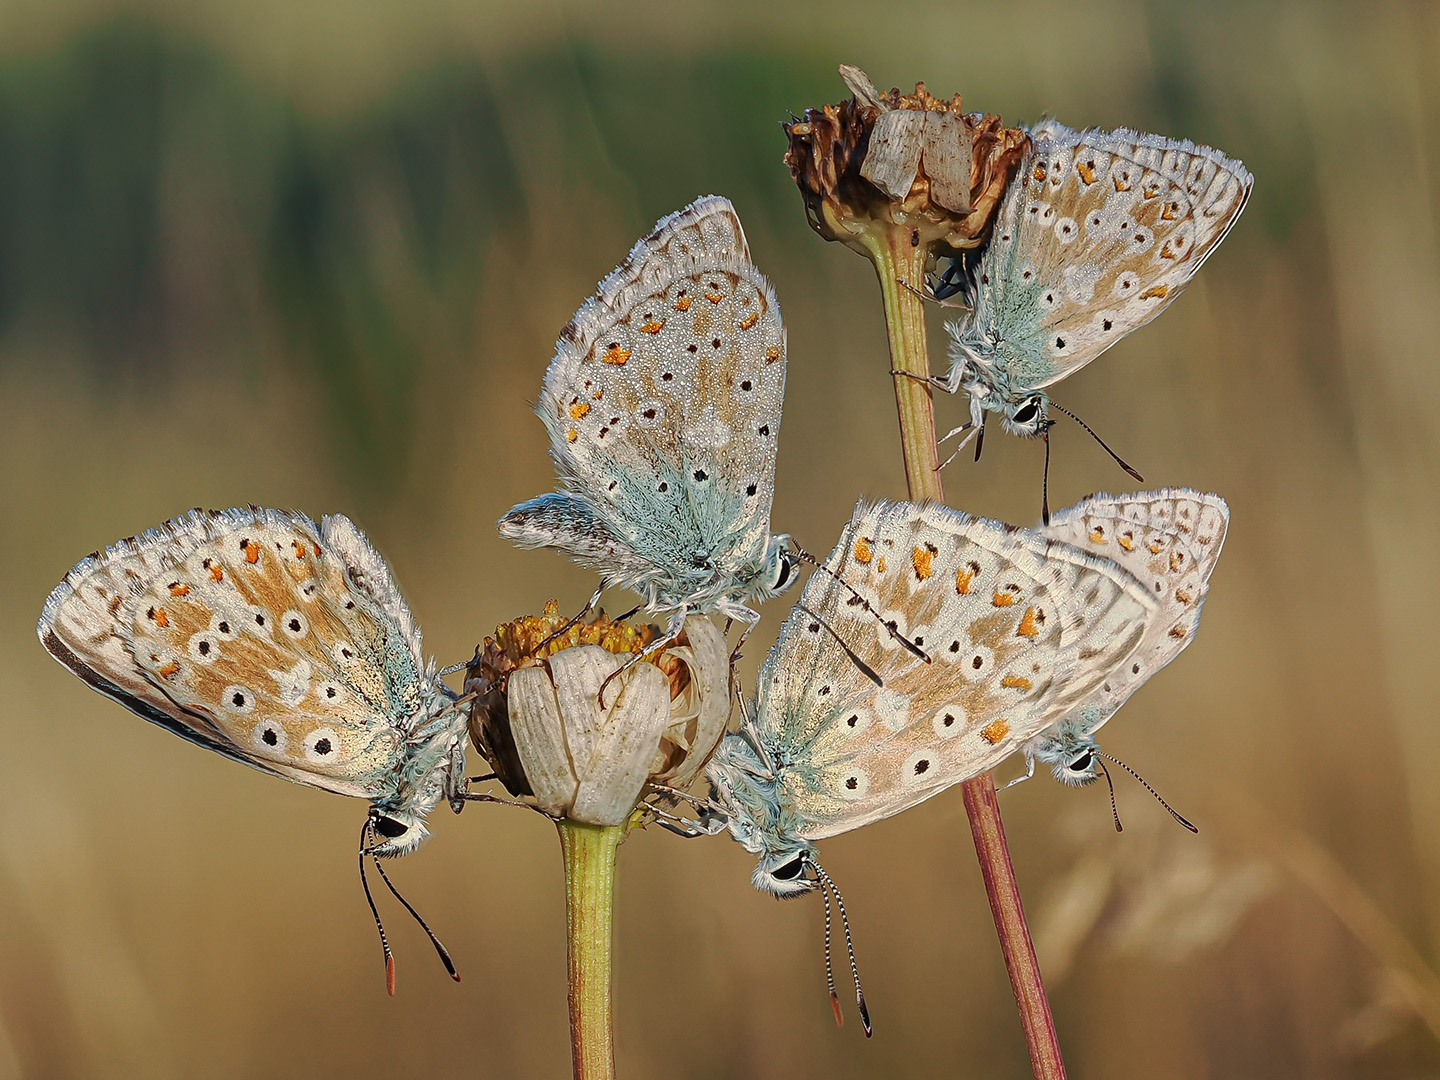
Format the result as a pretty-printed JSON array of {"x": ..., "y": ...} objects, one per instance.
[
  {"x": 1027, "y": 412},
  {"x": 1083, "y": 763},
  {"x": 389, "y": 828},
  {"x": 790, "y": 870}
]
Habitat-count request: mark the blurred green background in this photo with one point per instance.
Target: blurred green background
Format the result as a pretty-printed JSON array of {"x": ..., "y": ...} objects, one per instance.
[{"x": 317, "y": 256}]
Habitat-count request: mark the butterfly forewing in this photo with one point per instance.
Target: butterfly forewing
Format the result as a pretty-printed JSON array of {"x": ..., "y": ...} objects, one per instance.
[
  {"x": 1019, "y": 630},
  {"x": 1098, "y": 236},
  {"x": 1170, "y": 540},
  {"x": 663, "y": 407},
  {"x": 259, "y": 634}
]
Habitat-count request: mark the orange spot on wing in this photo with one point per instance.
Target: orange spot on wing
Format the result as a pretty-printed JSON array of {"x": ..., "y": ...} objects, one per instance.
[
  {"x": 683, "y": 304},
  {"x": 1154, "y": 547},
  {"x": 217, "y": 574},
  {"x": 179, "y": 588},
  {"x": 1003, "y": 599},
  {"x": 1183, "y": 596},
  {"x": 1016, "y": 682},
  {"x": 571, "y": 435},
  {"x": 167, "y": 670},
  {"x": 749, "y": 320},
  {"x": 922, "y": 558},
  {"x": 1126, "y": 541},
  {"x": 653, "y": 326},
  {"x": 1097, "y": 534},
  {"x": 963, "y": 577},
  {"x": 299, "y": 547},
  {"x": 1029, "y": 625},
  {"x": 252, "y": 551},
  {"x": 714, "y": 298},
  {"x": 1177, "y": 559},
  {"x": 1171, "y": 211},
  {"x": 158, "y": 614},
  {"x": 772, "y": 354},
  {"x": 317, "y": 549},
  {"x": 1039, "y": 173},
  {"x": 1155, "y": 292},
  {"x": 1166, "y": 251},
  {"x": 1177, "y": 631},
  {"x": 615, "y": 355},
  {"x": 1121, "y": 185},
  {"x": 1086, "y": 172},
  {"x": 864, "y": 551},
  {"x": 994, "y": 731},
  {"x": 578, "y": 410},
  {"x": 880, "y": 564}
]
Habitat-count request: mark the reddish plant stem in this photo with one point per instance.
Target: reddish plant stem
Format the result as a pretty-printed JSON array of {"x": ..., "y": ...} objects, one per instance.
[{"x": 900, "y": 265}]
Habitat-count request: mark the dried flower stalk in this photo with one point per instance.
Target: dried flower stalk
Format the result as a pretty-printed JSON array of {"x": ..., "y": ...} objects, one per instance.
[{"x": 892, "y": 188}]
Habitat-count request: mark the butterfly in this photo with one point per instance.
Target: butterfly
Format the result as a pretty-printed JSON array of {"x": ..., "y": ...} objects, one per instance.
[
  {"x": 279, "y": 643},
  {"x": 1097, "y": 234},
  {"x": 1169, "y": 539},
  {"x": 849, "y": 727},
  {"x": 662, "y": 404}
]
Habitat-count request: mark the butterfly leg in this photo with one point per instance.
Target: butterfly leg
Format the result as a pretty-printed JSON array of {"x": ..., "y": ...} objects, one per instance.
[
  {"x": 1029, "y": 771},
  {"x": 676, "y": 627},
  {"x": 575, "y": 620}
]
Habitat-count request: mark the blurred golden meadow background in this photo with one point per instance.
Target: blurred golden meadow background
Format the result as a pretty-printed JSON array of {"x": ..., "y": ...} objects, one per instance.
[{"x": 316, "y": 256}]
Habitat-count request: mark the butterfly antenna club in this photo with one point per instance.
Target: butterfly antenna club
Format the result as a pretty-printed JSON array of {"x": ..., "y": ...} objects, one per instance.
[
  {"x": 1173, "y": 812},
  {"x": 1103, "y": 444},
  {"x": 367, "y": 838},
  {"x": 827, "y": 881},
  {"x": 855, "y": 598},
  {"x": 865, "y": 669}
]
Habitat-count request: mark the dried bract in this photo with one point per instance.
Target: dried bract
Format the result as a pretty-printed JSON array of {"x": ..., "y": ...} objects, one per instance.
[{"x": 908, "y": 160}]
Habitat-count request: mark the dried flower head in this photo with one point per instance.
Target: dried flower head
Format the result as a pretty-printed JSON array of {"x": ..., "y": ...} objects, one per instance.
[
  {"x": 539, "y": 722},
  {"x": 909, "y": 160}
]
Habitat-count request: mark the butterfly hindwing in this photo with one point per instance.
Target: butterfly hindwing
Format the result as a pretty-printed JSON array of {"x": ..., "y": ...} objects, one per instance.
[{"x": 1170, "y": 540}]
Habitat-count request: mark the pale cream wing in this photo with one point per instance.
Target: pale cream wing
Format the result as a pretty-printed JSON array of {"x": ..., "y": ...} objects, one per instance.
[
  {"x": 663, "y": 400},
  {"x": 261, "y": 633},
  {"x": 1018, "y": 629},
  {"x": 1170, "y": 540}
]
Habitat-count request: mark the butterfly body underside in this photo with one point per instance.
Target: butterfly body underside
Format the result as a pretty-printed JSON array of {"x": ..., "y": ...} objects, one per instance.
[
  {"x": 1097, "y": 235},
  {"x": 1171, "y": 541},
  {"x": 662, "y": 404},
  {"x": 273, "y": 641},
  {"x": 1019, "y": 628}
]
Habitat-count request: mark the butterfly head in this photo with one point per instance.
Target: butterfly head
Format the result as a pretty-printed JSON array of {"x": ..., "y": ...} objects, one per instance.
[
  {"x": 785, "y": 872},
  {"x": 1072, "y": 754},
  {"x": 781, "y": 569},
  {"x": 396, "y": 830},
  {"x": 1028, "y": 416}
]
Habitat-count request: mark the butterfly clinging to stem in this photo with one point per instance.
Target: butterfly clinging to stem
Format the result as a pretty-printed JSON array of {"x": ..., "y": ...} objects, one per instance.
[{"x": 1097, "y": 234}]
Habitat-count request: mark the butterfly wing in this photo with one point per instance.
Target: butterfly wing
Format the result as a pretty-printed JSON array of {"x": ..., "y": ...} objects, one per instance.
[
  {"x": 258, "y": 634},
  {"x": 1170, "y": 540},
  {"x": 1097, "y": 235},
  {"x": 663, "y": 407},
  {"x": 1019, "y": 628}
]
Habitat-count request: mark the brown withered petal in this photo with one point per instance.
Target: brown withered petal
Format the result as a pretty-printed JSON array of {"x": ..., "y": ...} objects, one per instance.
[{"x": 901, "y": 160}]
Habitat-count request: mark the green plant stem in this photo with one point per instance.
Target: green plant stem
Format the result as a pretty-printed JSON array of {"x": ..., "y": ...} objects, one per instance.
[
  {"x": 589, "y": 908},
  {"x": 900, "y": 262}
]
